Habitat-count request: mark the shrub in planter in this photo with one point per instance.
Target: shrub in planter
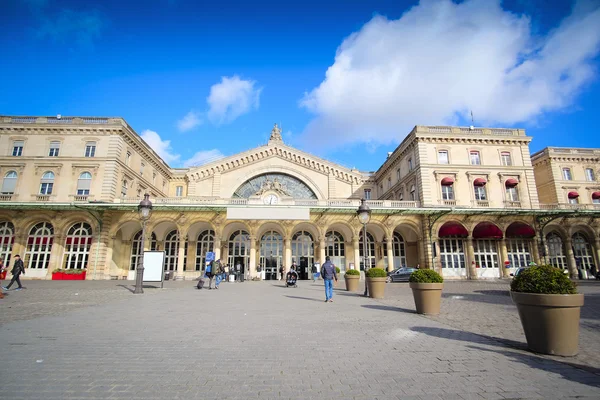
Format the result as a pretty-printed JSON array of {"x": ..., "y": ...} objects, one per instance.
[
  {"x": 376, "y": 278},
  {"x": 57, "y": 274},
  {"x": 352, "y": 276},
  {"x": 427, "y": 285},
  {"x": 549, "y": 308}
]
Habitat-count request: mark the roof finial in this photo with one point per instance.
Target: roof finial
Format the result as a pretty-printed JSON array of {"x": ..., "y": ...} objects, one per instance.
[{"x": 276, "y": 134}]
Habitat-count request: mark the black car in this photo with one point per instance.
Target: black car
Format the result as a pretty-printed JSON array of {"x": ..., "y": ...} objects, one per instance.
[{"x": 400, "y": 274}]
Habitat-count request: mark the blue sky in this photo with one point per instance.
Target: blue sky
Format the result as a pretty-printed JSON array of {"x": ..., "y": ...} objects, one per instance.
[{"x": 346, "y": 79}]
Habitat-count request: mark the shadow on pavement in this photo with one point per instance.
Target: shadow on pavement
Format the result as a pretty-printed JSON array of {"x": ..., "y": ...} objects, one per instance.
[
  {"x": 305, "y": 298},
  {"x": 389, "y": 308},
  {"x": 496, "y": 298},
  {"x": 504, "y": 293},
  {"x": 568, "y": 370},
  {"x": 532, "y": 360},
  {"x": 131, "y": 288}
]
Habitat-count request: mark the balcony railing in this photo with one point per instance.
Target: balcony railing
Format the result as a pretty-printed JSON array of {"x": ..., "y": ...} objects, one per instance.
[
  {"x": 512, "y": 204},
  {"x": 569, "y": 206},
  {"x": 6, "y": 197},
  {"x": 42, "y": 197},
  {"x": 481, "y": 203},
  {"x": 449, "y": 203},
  {"x": 79, "y": 198}
]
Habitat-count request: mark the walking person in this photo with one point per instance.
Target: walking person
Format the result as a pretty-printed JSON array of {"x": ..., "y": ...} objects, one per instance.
[
  {"x": 314, "y": 272},
  {"x": 210, "y": 273},
  {"x": 17, "y": 270},
  {"x": 328, "y": 274},
  {"x": 218, "y": 273},
  {"x": 2, "y": 268},
  {"x": 281, "y": 270}
]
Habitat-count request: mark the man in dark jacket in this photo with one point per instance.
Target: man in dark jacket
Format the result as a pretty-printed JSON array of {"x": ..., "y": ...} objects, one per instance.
[
  {"x": 328, "y": 274},
  {"x": 18, "y": 269}
]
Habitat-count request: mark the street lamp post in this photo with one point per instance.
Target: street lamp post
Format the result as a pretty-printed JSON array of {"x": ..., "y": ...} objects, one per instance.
[
  {"x": 364, "y": 215},
  {"x": 144, "y": 210}
]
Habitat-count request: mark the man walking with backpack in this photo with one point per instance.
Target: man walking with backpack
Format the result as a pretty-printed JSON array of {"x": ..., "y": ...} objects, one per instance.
[
  {"x": 17, "y": 270},
  {"x": 328, "y": 274}
]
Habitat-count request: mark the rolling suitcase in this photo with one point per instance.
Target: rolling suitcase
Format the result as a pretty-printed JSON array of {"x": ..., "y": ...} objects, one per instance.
[{"x": 200, "y": 283}]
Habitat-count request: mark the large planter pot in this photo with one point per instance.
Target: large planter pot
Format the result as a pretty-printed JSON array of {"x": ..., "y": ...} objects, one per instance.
[
  {"x": 428, "y": 297},
  {"x": 550, "y": 321},
  {"x": 352, "y": 282},
  {"x": 58, "y": 276},
  {"x": 376, "y": 287}
]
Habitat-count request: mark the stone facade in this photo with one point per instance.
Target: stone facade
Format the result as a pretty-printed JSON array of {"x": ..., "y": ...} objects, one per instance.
[{"x": 461, "y": 200}]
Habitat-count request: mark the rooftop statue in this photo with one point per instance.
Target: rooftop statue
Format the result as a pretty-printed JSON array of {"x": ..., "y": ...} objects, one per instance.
[{"x": 276, "y": 134}]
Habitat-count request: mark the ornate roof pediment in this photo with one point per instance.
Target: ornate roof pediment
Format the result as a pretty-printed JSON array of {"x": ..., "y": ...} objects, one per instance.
[{"x": 275, "y": 150}]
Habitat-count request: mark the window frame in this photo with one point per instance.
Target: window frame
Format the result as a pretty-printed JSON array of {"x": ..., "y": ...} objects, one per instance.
[
  {"x": 567, "y": 171},
  {"x": 90, "y": 149},
  {"x": 52, "y": 153},
  {"x": 447, "y": 157},
  {"x": 514, "y": 190},
  {"x": 471, "y": 154},
  {"x": 4, "y": 181},
  {"x": 81, "y": 190},
  {"x": 128, "y": 158},
  {"x": 179, "y": 191},
  {"x": 590, "y": 175},
  {"x": 47, "y": 184},
  {"x": 502, "y": 159},
  {"x": 448, "y": 192},
  {"x": 478, "y": 191},
  {"x": 19, "y": 152},
  {"x": 410, "y": 164}
]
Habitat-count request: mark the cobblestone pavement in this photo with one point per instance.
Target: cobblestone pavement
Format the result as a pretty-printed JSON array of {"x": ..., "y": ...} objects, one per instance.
[
  {"x": 259, "y": 340},
  {"x": 485, "y": 308}
]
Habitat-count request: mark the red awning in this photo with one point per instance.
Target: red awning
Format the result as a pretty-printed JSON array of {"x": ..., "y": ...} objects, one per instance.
[
  {"x": 453, "y": 229},
  {"x": 511, "y": 182},
  {"x": 595, "y": 195},
  {"x": 520, "y": 229},
  {"x": 447, "y": 181},
  {"x": 479, "y": 182},
  {"x": 487, "y": 230},
  {"x": 573, "y": 195}
]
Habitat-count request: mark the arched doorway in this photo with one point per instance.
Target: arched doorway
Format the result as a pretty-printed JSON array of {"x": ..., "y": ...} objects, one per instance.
[
  {"x": 7, "y": 240},
  {"x": 136, "y": 250},
  {"x": 271, "y": 254},
  {"x": 556, "y": 251},
  {"x": 519, "y": 237},
  {"x": 171, "y": 250},
  {"x": 39, "y": 248},
  {"x": 452, "y": 249},
  {"x": 239, "y": 250},
  {"x": 583, "y": 253},
  {"x": 398, "y": 249},
  {"x": 77, "y": 246},
  {"x": 370, "y": 256},
  {"x": 204, "y": 243},
  {"x": 303, "y": 252},
  {"x": 335, "y": 249},
  {"x": 485, "y": 250}
]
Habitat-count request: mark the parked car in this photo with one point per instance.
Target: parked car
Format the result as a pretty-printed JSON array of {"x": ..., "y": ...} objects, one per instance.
[{"x": 400, "y": 274}]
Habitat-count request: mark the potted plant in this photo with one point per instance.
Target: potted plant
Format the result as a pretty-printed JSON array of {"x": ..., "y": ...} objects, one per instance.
[
  {"x": 376, "y": 278},
  {"x": 427, "y": 285},
  {"x": 57, "y": 274},
  {"x": 549, "y": 307},
  {"x": 352, "y": 276}
]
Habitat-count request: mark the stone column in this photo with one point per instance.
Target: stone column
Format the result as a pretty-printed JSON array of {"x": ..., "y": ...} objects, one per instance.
[
  {"x": 535, "y": 249},
  {"x": 355, "y": 245},
  {"x": 422, "y": 254},
  {"x": 56, "y": 254},
  {"x": 597, "y": 253},
  {"x": 390, "y": 255},
  {"x": 471, "y": 259},
  {"x": 322, "y": 250},
  {"x": 571, "y": 259},
  {"x": 504, "y": 272},
  {"x": 180, "y": 258},
  {"x": 287, "y": 250},
  {"x": 190, "y": 264},
  {"x": 108, "y": 260},
  {"x": 19, "y": 247},
  {"x": 251, "y": 269},
  {"x": 123, "y": 258},
  {"x": 217, "y": 248}
]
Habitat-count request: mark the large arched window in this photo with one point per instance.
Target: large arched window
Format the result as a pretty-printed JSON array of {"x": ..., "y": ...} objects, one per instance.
[
  {"x": 335, "y": 248},
  {"x": 282, "y": 183},
  {"x": 582, "y": 251},
  {"x": 47, "y": 183},
  {"x": 303, "y": 248},
  {"x": 39, "y": 246},
  {"x": 370, "y": 257},
  {"x": 83, "y": 184},
  {"x": 271, "y": 253},
  {"x": 398, "y": 250},
  {"x": 171, "y": 250},
  {"x": 7, "y": 239},
  {"x": 77, "y": 246},
  {"x": 205, "y": 243},
  {"x": 239, "y": 249},
  {"x": 556, "y": 250},
  {"x": 136, "y": 249},
  {"x": 9, "y": 183}
]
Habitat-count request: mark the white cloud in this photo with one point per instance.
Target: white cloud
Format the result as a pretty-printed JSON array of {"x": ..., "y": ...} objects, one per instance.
[
  {"x": 203, "y": 157},
  {"x": 231, "y": 98},
  {"x": 161, "y": 147},
  {"x": 440, "y": 60},
  {"x": 189, "y": 121}
]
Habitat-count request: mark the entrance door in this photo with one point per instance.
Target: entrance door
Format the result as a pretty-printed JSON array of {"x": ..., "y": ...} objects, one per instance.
[
  {"x": 452, "y": 257},
  {"x": 486, "y": 258},
  {"x": 271, "y": 267},
  {"x": 271, "y": 254},
  {"x": 304, "y": 268}
]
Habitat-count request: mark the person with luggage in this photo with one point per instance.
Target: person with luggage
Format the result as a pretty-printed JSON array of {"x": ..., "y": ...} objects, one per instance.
[{"x": 17, "y": 270}]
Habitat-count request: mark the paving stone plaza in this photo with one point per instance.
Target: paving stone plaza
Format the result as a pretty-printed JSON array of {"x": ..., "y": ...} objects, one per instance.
[{"x": 260, "y": 340}]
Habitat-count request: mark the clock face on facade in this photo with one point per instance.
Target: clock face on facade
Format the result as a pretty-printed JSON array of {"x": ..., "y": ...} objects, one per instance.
[{"x": 271, "y": 199}]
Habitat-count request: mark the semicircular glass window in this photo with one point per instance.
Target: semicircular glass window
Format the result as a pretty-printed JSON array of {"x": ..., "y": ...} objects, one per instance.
[{"x": 282, "y": 183}]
